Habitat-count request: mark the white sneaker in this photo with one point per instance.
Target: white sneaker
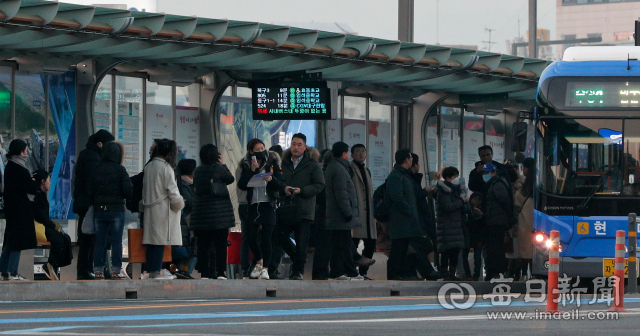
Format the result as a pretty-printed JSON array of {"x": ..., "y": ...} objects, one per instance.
[
  {"x": 167, "y": 273},
  {"x": 342, "y": 278},
  {"x": 358, "y": 278},
  {"x": 17, "y": 277},
  {"x": 160, "y": 276},
  {"x": 222, "y": 278},
  {"x": 256, "y": 272},
  {"x": 264, "y": 274},
  {"x": 144, "y": 276}
]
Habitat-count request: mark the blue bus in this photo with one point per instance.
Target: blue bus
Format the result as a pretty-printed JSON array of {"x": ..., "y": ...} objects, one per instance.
[{"x": 587, "y": 132}]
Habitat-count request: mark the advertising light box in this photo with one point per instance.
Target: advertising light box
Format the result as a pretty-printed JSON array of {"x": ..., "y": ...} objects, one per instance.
[{"x": 291, "y": 101}]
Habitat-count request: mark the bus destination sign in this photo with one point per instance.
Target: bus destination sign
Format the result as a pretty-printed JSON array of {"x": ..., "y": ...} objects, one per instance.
[
  {"x": 291, "y": 101},
  {"x": 603, "y": 94}
]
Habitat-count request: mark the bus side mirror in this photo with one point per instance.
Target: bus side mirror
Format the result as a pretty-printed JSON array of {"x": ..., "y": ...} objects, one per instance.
[{"x": 519, "y": 137}]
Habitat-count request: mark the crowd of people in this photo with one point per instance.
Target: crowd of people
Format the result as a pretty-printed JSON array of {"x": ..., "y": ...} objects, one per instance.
[{"x": 288, "y": 201}]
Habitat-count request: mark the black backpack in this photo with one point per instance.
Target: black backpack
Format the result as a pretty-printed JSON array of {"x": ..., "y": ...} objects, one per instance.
[
  {"x": 381, "y": 203},
  {"x": 133, "y": 202}
]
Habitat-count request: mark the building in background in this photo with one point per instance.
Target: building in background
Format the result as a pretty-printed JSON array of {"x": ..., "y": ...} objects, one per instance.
[{"x": 613, "y": 20}]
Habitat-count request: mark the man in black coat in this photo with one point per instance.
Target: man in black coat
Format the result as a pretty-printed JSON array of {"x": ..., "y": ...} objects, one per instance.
[
  {"x": 498, "y": 212},
  {"x": 476, "y": 183},
  {"x": 88, "y": 160},
  {"x": 341, "y": 216},
  {"x": 304, "y": 179}
]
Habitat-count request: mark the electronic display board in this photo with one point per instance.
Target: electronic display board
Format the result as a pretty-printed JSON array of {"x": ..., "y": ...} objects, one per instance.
[
  {"x": 609, "y": 94},
  {"x": 291, "y": 100}
]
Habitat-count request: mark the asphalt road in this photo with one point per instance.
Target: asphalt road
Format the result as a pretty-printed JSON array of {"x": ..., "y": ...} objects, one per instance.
[{"x": 334, "y": 316}]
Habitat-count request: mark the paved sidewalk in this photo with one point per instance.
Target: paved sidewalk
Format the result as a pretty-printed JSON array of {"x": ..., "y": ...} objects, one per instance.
[{"x": 241, "y": 289}]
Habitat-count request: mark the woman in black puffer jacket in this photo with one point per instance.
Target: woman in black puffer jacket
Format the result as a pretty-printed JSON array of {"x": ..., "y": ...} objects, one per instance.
[
  {"x": 107, "y": 189},
  {"x": 450, "y": 205},
  {"x": 211, "y": 216}
]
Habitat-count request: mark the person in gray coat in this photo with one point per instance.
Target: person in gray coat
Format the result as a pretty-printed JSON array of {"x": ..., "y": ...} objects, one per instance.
[
  {"x": 450, "y": 211},
  {"x": 342, "y": 215}
]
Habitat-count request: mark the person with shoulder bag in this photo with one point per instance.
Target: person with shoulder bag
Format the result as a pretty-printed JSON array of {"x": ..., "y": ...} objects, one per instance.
[
  {"x": 19, "y": 195},
  {"x": 212, "y": 214},
  {"x": 262, "y": 195},
  {"x": 107, "y": 189},
  {"x": 161, "y": 205}
]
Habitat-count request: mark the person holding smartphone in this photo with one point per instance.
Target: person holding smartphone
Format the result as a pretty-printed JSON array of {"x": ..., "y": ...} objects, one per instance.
[{"x": 261, "y": 200}]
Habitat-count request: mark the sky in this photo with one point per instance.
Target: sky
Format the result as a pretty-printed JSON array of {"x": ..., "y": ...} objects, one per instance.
[{"x": 448, "y": 22}]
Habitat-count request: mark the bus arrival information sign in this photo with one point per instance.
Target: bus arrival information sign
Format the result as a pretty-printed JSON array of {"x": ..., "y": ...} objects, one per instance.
[{"x": 291, "y": 101}]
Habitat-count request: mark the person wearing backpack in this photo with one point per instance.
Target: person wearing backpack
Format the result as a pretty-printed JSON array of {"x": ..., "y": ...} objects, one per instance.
[
  {"x": 498, "y": 214},
  {"x": 404, "y": 220}
]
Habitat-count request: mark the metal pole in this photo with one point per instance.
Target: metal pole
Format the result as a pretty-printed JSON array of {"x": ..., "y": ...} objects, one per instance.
[
  {"x": 636, "y": 32},
  {"x": 405, "y": 20},
  {"x": 533, "y": 29},
  {"x": 632, "y": 286}
]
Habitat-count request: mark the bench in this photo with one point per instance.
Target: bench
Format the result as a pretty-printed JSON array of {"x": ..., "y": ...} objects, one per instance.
[{"x": 27, "y": 257}]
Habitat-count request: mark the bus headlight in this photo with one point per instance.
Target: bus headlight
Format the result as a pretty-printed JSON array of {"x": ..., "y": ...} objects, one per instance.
[{"x": 539, "y": 238}]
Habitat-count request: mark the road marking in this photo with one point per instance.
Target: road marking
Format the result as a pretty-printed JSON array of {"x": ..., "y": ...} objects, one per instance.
[
  {"x": 38, "y": 331},
  {"x": 83, "y": 309}
]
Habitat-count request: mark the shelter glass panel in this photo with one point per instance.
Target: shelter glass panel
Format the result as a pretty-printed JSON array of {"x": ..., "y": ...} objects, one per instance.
[
  {"x": 379, "y": 148},
  {"x": 450, "y": 136},
  {"x": 129, "y": 122},
  {"x": 355, "y": 115},
  {"x": 472, "y": 139},
  {"x": 5, "y": 116},
  {"x": 187, "y": 121},
  {"x": 31, "y": 116},
  {"x": 432, "y": 146},
  {"x": 158, "y": 114},
  {"x": 243, "y": 92},
  {"x": 495, "y": 136},
  {"x": 102, "y": 109},
  {"x": 334, "y": 127},
  {"x": 188, "y": 95}
]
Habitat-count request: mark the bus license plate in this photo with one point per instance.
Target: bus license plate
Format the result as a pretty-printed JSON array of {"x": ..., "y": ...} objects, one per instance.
[{"x": 609, "y": 264}]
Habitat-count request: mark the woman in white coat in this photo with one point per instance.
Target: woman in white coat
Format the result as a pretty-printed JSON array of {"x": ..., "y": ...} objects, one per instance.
[{"x": 161, "y": 204}]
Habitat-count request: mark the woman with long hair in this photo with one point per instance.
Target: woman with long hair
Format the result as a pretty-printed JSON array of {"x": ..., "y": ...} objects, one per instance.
[
  {"x": 262, "y": 200},
  {"x": 161, "y": 205},
  {"x": 108, "y": 189},
  {"x": 212, "y": 215},
  {"x": 19, "y": 195}
]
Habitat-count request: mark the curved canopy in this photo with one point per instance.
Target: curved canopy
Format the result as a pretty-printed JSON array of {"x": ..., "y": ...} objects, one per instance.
[{"x": 48, "y": 36}]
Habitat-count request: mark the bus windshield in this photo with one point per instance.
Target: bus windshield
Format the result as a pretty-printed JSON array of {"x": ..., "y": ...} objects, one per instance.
[{"x": 581, "y": 157}]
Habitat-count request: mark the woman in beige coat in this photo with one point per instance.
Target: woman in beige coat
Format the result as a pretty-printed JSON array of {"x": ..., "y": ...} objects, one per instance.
[
  {"x": 161, "y": 204},
  {"x": 524, "y": 204}
]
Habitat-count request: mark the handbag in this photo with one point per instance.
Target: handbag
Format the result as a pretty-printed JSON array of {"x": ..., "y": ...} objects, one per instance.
[
  {"x": 138, "y": 252},
  {"x": 88, "y": 224},
  {"x": 508, "y": 243},
  {"x": 219, "y": 189},
  {"x": 287, "y": 212},
  {"x": 40, "y": 235}
]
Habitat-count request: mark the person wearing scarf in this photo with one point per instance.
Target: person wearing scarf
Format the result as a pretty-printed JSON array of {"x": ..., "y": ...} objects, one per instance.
[{"x": 19, "y": 195}]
